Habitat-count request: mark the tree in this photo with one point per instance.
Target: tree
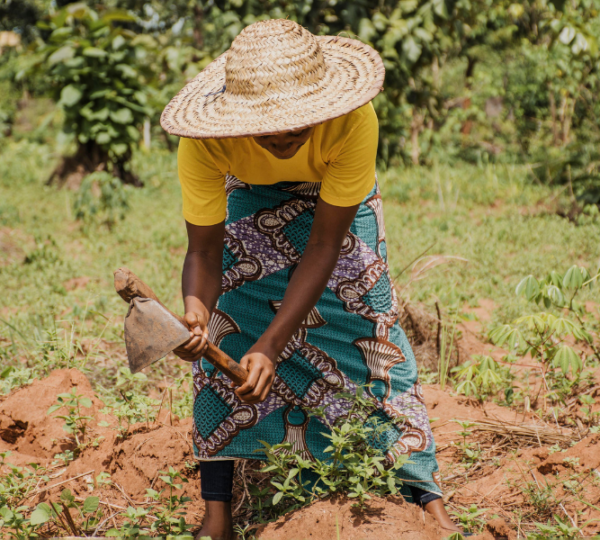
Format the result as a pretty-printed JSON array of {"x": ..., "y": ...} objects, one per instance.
[{"x": 95, "y": 73}]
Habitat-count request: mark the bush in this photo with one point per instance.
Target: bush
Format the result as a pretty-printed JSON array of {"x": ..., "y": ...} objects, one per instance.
[{"x": 96, "y": 77}]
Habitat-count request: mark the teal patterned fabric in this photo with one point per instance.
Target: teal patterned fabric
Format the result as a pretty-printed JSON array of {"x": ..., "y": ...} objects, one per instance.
[{"x": 351, "y": 338}]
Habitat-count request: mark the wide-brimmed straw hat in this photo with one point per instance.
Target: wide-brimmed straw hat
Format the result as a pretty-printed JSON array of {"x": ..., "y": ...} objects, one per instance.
[{"x": 276, "y": 77}]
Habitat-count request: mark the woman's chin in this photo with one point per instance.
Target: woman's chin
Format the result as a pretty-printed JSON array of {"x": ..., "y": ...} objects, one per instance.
[{"x": 285, "y": 155}]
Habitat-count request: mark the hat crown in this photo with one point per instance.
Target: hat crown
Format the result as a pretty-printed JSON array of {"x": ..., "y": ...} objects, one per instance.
[{"x": 273, "y": 58}]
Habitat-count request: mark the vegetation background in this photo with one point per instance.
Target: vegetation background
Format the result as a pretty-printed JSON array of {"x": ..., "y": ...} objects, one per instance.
[{"x": 489, "y": 168}]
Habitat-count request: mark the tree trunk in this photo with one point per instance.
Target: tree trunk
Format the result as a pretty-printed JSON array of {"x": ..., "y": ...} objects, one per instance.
[
  {"x": 435, "y": 73},
  {"x": 470, "y": 70},
  {"x": 198, "y": 22},
  {"x": 415, "y": 128},
  {"x": 553, "y": 115},
  {"x": 89, "y": 158},
  {"x": 562, "y": 113}
]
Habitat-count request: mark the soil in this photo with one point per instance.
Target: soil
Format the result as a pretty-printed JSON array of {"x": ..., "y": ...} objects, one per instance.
[{"x": 498, "y": 482}]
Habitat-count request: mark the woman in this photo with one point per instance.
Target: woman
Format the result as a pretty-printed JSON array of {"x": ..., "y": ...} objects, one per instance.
[{"x": 286, "y": 236}]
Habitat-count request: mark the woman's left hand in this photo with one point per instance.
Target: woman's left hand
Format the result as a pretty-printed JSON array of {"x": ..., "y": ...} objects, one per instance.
[{"x": 261, "y": 372}]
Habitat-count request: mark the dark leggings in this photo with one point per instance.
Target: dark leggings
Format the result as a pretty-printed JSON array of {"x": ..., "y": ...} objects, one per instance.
[{"x": 216, "y": 480}]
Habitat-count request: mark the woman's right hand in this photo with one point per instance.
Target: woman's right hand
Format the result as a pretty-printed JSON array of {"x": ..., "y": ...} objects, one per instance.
[{"x": 194, "y": 348}]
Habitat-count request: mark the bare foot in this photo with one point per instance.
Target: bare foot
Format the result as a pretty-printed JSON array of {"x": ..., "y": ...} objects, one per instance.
[
  {"x": 218, "y": 522},
  {"x": 438, "y": 511}
]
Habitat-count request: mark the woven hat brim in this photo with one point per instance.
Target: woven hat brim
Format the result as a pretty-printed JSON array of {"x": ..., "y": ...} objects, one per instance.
[{"x": 355, "y": 75}]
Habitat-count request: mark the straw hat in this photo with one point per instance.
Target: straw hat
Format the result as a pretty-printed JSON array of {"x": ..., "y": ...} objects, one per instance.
[{"x": 276, "y": 77}]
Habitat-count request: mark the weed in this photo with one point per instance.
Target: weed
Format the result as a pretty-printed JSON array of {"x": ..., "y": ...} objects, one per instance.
[
  {"x": 69, "y": 515},
  {"x": 446, "y": 350},
  {"x": 101, "y": 199},
  {"x": 14, "y": 377},
  {"x": 75, "y": 421},
  {"x": 471, "y": 518},
  {"x": 470, "y": 452},
  {"x": 481, "y": 377},
  {"x": 18, "y": 482},
  {"x": 357, "y": 464},
  {"x": 559, "y": 530},
  {"x": 170, "y": 518},
  {"x": 541, "y": 498}
]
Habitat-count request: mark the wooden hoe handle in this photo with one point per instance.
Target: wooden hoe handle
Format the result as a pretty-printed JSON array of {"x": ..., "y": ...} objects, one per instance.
[{"x": 129, "y": 286}]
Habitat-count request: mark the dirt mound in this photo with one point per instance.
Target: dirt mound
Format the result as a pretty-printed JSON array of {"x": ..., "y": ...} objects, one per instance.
[
  {"x": 508, "y": 471},
  {"x": 133, "y": 463},
  {"x": 25, "y": 426},
  {"x": 384, "y": 519}
]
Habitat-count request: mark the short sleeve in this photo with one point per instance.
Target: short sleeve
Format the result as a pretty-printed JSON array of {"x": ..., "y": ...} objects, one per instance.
[
  {"x": 202, "y": 184},
  {"x": 350, "y": 175}
]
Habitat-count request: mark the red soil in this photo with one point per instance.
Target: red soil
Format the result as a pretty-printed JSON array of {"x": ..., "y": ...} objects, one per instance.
[{"x": 34, "y": 437}]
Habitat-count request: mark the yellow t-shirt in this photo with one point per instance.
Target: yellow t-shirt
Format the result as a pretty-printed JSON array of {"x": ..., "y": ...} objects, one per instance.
[{"x": 340, "y": 154}]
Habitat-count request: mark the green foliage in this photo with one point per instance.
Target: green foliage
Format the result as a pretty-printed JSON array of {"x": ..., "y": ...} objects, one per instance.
[
  {"x": 481, "y": 377},
  {"x": 548, "y": 336},
  {"x": 470, "y": 452},
  {"x": 471, "y": 518},
  {"x": 132, "y": 405},
  {"x": 94, "y": 68},
  {"x": 75, "y": 421},
  {"x": 62, "y": 515},
  {"x": 102, "y": 198},
  {"x": 167, "y": 517},
  {"x": 16, "y": 484},
  {"x": 357, "y": 465}
]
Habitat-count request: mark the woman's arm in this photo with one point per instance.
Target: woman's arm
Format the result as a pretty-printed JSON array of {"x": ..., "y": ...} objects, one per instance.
[
  {"x": 201, "y": 284},
  {"x": 329, "y": 229}
]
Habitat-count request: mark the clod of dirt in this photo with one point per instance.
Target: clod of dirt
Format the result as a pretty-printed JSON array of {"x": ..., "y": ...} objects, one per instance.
[
  {"x": 500, "y": 529},
  {"x": 25, "y": 427},
  {"x": 584, "y": 456},
  {"x": 384, "y": 519}
]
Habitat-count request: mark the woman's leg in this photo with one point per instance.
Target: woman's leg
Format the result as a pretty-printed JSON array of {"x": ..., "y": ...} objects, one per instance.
[
  {"x": 433, "y": 504},
  {"x": 216, "y": 480}
]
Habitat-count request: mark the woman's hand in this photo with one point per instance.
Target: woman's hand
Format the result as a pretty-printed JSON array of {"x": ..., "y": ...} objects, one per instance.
[
  {"x": 260, "y": 378},
  {"x": 193, "y": 349}
]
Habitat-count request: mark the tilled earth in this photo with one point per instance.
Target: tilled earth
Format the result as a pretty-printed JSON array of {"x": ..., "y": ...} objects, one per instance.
[{"x": 515, "y": 478}]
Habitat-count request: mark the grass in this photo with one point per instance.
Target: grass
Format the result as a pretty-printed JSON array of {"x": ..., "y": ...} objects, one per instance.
[{"x": 493, "y": 219}]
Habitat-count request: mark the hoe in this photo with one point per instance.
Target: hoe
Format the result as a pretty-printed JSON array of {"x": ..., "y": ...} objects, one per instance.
[{"x": 152, "y": 331}]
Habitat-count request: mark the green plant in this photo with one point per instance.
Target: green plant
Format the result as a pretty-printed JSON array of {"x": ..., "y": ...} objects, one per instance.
[
  {"x": 131, "y": 404},
  {"x": 547, "y": 336},
  {"x": 102, "y": 198},
  {"x": 63, "y": 514},
  {"x": 75, "y": 421},
  {"x": 92, "y": 63},
  {"x": 14, "y": 522},
  {"x": 16, "y": 483},
  {"x": 455, "y": 536},
  {"x": 590, "y": 417},
  {"x": 356, "y": 465},
  {"x": 14, "y": 377},
  {"x": 470, "y": 452},
  {"x": 170, "y": 519},
  {"x": 541, "y": 498},
  {"x": 481, "y": 377},
  {"x": 471, "y": 518},
  {"x": 447, "y": 336},
  {"x": 561, "y": 529}
]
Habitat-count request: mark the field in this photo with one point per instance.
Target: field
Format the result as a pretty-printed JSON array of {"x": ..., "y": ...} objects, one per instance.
[{"x": 519, "y": 453}]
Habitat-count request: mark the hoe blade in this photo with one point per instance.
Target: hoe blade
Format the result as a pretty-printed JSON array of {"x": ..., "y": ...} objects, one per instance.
[{"x": 151, "y": 333}]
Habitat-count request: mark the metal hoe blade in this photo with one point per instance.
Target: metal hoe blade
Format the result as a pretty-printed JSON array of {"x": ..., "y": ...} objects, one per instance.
[{"x": 151, "y": 333}]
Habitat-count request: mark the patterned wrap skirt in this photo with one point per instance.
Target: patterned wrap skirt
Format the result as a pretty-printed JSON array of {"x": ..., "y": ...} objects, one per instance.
[{"x": 351, "y": 338}]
